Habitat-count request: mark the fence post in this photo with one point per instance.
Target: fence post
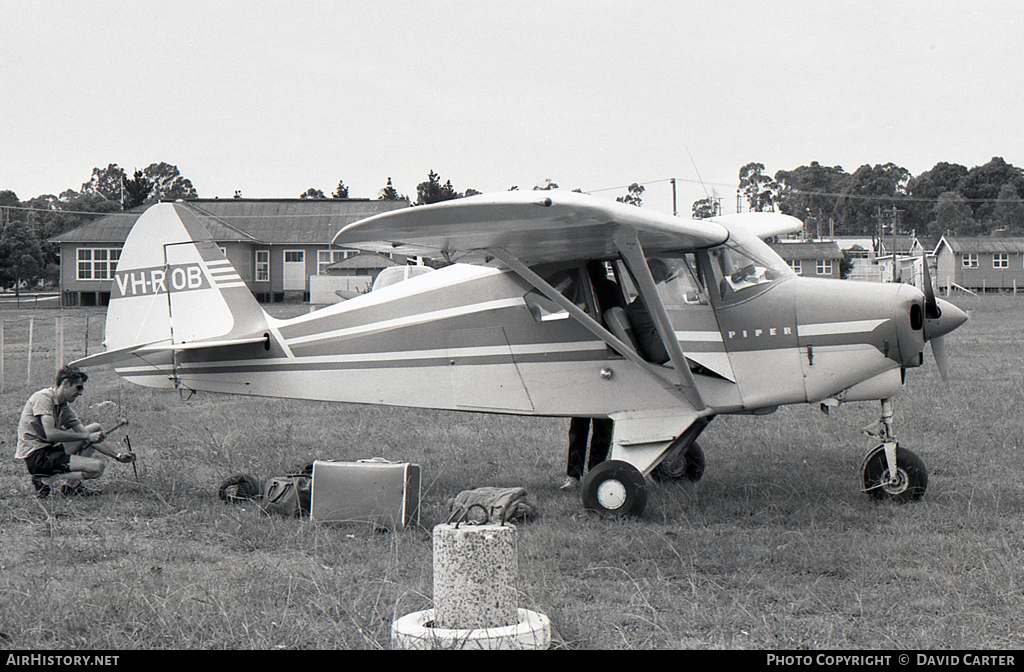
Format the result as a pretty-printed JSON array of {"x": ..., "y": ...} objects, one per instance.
[
  {"x": 28, "y": 372},
  {"x": 56, "y": 346}
]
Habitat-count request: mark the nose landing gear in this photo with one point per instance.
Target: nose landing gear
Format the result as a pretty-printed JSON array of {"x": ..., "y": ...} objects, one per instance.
[{"x": 892, "y": 473}]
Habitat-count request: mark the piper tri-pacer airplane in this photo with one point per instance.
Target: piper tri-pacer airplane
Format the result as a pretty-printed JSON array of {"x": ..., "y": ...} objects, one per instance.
[{"x": 520, "y": 326}]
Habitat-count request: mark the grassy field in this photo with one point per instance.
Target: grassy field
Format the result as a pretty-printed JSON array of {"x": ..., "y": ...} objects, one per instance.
[{"x": 774, "y": 548}]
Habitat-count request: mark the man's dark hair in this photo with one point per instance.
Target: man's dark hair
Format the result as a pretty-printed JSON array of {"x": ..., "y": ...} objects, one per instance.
[{"x": 72, "y": 374}]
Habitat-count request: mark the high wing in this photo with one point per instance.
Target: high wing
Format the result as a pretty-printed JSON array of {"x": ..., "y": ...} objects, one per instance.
[{"x": 534, "y": 227}]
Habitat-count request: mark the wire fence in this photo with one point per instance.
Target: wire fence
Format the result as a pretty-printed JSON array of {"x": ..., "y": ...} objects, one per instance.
[{"x": 34, "y": 348}]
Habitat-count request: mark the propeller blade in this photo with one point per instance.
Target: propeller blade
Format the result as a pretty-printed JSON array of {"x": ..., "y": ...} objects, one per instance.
[
  {"x": 931, "y": 306},
  {"x": 939, "y": 352}
]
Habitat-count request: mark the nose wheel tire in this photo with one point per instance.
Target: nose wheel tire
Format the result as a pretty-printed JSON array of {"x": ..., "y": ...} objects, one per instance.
[
  {"x": 909, "y": 482},
  {"x": 681, "y": 463},
  {"x": 614, "y": 488}
]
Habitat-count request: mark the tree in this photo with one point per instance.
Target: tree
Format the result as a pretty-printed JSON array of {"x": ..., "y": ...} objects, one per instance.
[
  {"x": 389, "y": 193},
  {"x": 871, "y": 187},
  {"x": 432, "y": 191},
  {"x": 168, "y": 183},
  {"x": 10, "y": 208},
  {"x": 811, "y": 193},
  {"x": 312, "y": 193},
  {"x": 704, "y": 208},
  {"x": 757, "y": 188},
  {"x": 56, "y": 215},
  {"x": 1008, "y": 214},
  {"x": 137, "y": 190},
  {"x": 981, "y": 186},
  {"x": 924, "y": 190},
  {"x": 634, "y": 197},
  {"x": 846, "y": 265},
  {"x": 21, "y": 256},
  {"x": 547, "y": 186},
  {"x": 952, "y": 214},
  {"x": 341, "y": 191},
  {"x": 107, "y": 183},
  {"x": 163, "y": 180}
]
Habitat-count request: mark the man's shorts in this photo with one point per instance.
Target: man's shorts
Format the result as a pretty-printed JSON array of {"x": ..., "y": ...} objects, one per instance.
[{"x": 48, "y": 461}]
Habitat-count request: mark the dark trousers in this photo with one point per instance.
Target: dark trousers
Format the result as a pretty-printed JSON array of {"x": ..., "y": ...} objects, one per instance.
[{"x": 600, "y": 443}]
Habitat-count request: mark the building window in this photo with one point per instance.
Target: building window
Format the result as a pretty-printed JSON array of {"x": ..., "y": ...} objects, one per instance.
[
  {"x": 325, "y": 258},
  {"x": 824, "y": 267},
  {"x": 97, "y": 263},
  {"x": 262, "y": 266},
  {"x": 1001, "y": 260},
  {"x": 970, "y": 260},
  {"x": 796, "y": 266}
]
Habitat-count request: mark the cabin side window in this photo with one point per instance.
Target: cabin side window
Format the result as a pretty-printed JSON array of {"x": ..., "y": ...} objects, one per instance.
[
  {"x": 676, "y": 281},
  {"x": 568, "y": 280}
]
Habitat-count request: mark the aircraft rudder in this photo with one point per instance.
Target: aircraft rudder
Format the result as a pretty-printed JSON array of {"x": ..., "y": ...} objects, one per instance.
[{"x": 174, "y": 283}]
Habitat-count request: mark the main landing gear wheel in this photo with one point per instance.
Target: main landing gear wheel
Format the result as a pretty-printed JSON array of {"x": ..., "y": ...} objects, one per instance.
[
  {"x": 909, "y": 483},
  {"x": 614, "y": 488},
  {"x": 681, "y": 464}
]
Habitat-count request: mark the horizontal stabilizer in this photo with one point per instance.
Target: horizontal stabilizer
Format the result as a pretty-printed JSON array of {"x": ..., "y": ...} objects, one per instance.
[{"x": 126, "y": 353}]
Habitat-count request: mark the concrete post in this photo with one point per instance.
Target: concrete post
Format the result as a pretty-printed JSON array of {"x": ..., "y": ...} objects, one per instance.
[{"x": 475, "y": 570}]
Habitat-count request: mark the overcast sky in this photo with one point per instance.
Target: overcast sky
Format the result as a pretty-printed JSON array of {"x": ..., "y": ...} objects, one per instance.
[{"x": 271, "y": 98}]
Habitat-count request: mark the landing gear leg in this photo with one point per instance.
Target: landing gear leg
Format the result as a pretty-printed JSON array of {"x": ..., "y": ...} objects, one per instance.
[{"x": 890, "y": 472}]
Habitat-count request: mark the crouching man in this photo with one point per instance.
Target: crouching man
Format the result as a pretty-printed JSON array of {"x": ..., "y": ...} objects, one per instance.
[{"x": 56, "y": 446}]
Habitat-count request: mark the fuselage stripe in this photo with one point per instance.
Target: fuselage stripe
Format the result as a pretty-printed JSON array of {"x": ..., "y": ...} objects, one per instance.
[
  {"x": 837, "y": 328},
  {"x": 408, "y": 320}
]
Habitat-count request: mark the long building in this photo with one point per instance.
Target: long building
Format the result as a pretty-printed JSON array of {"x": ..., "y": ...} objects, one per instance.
[{"x": 980, "y": 263}]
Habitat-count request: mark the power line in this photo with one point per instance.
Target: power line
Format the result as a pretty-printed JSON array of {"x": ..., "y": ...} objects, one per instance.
[{"x": 899, "y": 198}]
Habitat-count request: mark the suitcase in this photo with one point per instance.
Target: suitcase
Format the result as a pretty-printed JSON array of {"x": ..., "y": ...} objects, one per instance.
[{"x": 384, "y": 494}]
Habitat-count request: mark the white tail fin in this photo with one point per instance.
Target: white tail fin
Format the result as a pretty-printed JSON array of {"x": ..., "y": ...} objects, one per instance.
[{"x": 173, "y": 285}]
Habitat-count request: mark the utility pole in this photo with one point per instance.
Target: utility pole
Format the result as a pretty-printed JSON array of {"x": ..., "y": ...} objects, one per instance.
[
  {"x": 895, "y": 226},
  {"x": 675, "y": 212}
]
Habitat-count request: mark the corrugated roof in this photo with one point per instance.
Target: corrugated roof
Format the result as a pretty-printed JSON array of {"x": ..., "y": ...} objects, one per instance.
[
  {"x": 807, "y": 250},
  {"x": 365, "y": 260},
  {"x": 984, "y": 244},
  {"x": 264, "y": 221}
]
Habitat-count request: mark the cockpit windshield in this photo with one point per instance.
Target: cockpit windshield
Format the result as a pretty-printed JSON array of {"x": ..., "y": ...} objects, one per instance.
[{"x": 744, "y": 266}]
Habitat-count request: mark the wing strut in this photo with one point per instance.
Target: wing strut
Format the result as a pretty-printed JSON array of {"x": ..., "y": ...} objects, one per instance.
[
  {"x": 592, "y": 325},
  {"x": 634, "y": 256}
]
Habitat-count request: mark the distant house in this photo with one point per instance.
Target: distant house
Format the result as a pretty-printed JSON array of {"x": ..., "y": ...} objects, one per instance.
[
  {"x": 274, "y": 244},
  {"x": 813, "y": 259},
  {"x": 980, "y": 263},
  {"x": 861, "y": 253},
  {"x": 352, "y": 275}
]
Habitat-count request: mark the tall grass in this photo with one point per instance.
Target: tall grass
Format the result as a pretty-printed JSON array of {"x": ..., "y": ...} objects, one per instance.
[{"x": 774, "y": 548}]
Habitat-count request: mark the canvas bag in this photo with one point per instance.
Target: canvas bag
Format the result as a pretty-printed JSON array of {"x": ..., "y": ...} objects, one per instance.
[{"x": 289, "y": 496}]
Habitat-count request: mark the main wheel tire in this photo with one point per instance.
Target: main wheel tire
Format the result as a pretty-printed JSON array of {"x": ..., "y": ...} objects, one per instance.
[
  {"x": 681, "y": 464},
  {"x": 911, "y": 476},
  {"x": 614, "y": 488}
]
